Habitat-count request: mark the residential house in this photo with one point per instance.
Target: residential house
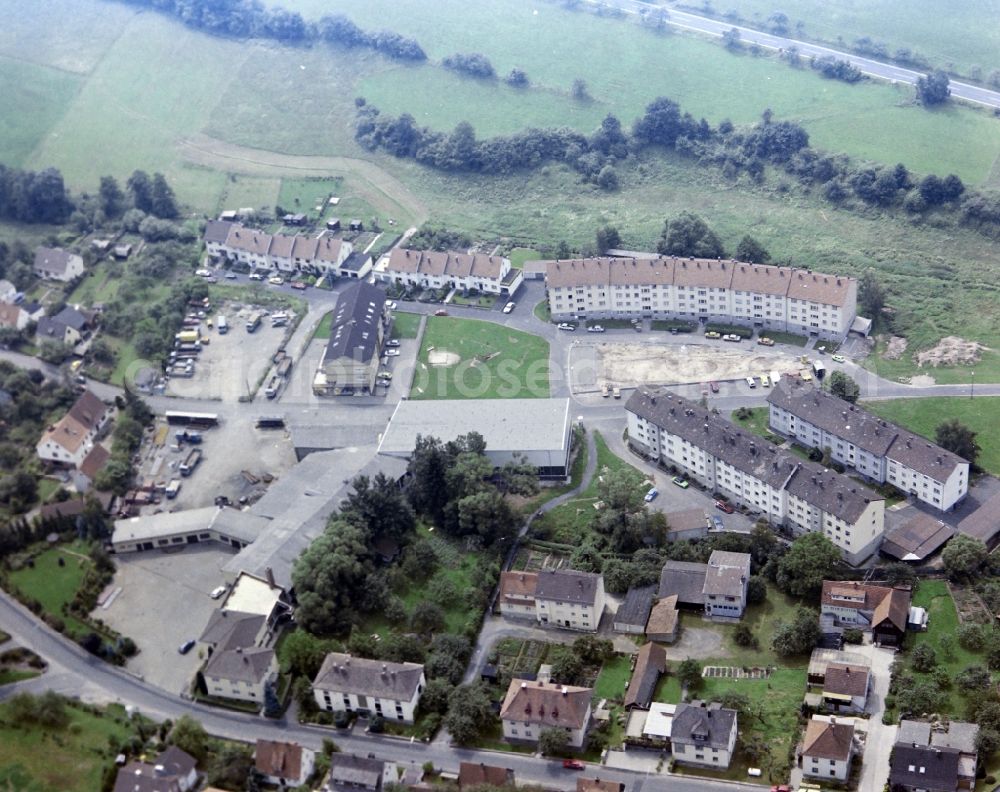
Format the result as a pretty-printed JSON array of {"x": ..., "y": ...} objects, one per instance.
[
  {"x": 474, "y": 774},
  {"x": 357, "y": 332},
  {"x": 821, "y": 659},
  {"x": 726, "y": 581},
  {"x": 785, "y": 489},
  {"x": 357, "y": 265},
  {"x": 570, "y": 599},
  {"x": 517, "y": 594},
  {"x": 13, "y": 317},
  {"x": 845, "y": 687},
  {"x": 663, "y": 620},
  {"x": 230, "y": 629},
  {"x": 92, "y": 464},
  {"x": 921, "y": 747},
  {"x": 284, "y": 763},
  {"x": 703, "y": 734},
  {"x": 882, "y": 610},
  {"x": 8, "y": 291},
  {"x": 259, "y": 595},
  {"x": 650, "y": 664},
  {"x": 240, "y": 673},
  {"x": 57, "y": 264},
  {"x": 357, "y": 684},
  {"x": 530, "y": 707},
  {"x": 827, "y": 749},
  {"x": 232, "y": 242},
  {"x": 349, "y": 773},
  {"x": 429, "y": 269},
  {"x": 72, "y": 437},
  {"x": 173, "y": 770},
  {"x": 216, "y": 234},
  {"x": 51, "y": 329},
  {"x": 633, "y": 613},
  {"x": 877, "y": 449},
  {"x": 662, "y": 287}
]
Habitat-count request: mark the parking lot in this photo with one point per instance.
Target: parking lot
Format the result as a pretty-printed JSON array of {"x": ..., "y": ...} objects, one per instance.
[
  {"x": 163, "y": 603},
  {"x": 230, "y": 367}
]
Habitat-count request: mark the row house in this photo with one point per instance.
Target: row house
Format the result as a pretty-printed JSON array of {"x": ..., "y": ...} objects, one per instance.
[
  {"x": 429, "y": 269},
  {"x": 877, "y": 449},
  {"x": 323, "y": 255},
  {"x": 788, "y": 491},
  {"x": 759, "y": 295}
]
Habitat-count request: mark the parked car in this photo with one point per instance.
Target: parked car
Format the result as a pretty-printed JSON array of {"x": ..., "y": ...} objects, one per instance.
[
  {"x": 781, "y": 788},
  {"x": 218, "y": 592},
  {"x": 724, "y": 506},
  {"x": 605, "y": 390},
  {"x": 440, "y": 312},
  {"x": 651, "y": 495},
  {"x": 751, "y": 382},
  {"x": 300, "y": 285},
  {"x": 765, "y": 381},
  {"x": 202, "y": 273},
  {"x": 567, "y": 326},
  {"x": 616, "y": 392},
  {"x": 276, "y": 280},
  {"x": 392, "y": 342},
  {"x": 595, "y": 329},
  {"x": 714, "y": 386},
  {"x": 731, "y": 337},
  {"x": 713, "y": 334},
  {"x": 717, "y": 523},
  {"x": 256, "y": 276},
  {"x": 186, "y": 647},
  {"x": 838, "y": 358},
  {"x": 573, "y": 764},
  {"x": 509, "y": 307},
  {"x": 821, "y": 350},
  {"x": 393, "y": 353},
  {"x": 681, "y": 482},
  {"x": 386, "y": 375},
  {"x": 230, "y": 276},
  {"x": 765, "y": 341}
]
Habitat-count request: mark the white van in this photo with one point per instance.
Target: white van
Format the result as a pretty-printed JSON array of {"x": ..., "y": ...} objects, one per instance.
[{"x": 751, "y": 382}]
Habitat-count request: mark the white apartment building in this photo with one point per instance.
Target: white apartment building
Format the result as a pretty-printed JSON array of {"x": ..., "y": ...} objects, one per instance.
[
  {"x": 875, "y": 448},
  {"x": 761, "y": 295},
  {"x": 703, "y": 734},
  {"x": 530, "y": 707},
  {"x": 750, "y": 471},
  {"x": 288, "y": 254},
  {"x": 357, "y": 684},
  {"x": 727, "y": 578},
  {"x": 241, "y": 673},
  {"x": 569, "y": 599},
  {"x": 428, "y": 269}
]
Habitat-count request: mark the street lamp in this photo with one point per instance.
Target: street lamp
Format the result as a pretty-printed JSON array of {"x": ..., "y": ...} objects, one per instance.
[{"x": 972, "y": 382}]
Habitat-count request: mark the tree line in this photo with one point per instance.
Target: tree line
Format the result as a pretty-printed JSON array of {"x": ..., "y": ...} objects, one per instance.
[{"x": 252, "y": 19}]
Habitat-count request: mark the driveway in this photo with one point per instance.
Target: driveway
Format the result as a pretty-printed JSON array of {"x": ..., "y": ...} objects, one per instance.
[{"x": 878, "y": 746}]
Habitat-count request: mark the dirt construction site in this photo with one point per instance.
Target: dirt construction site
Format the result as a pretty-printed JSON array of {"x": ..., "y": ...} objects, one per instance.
[{"x": 634, "y": 364}]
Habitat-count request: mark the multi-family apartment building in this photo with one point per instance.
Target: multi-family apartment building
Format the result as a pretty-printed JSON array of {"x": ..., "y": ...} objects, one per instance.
[
  {"x": 323, "y": 255},
  {"x": 555, "y": 597},
  {"x": 762, "y": 295},
  {"x": 357, "y": 684},
  {"x": 357, "y": 332},
  {"x": 530, "y": 707},
  {"x": 703, "y": 734},
  {"x": 429, "y": 269},
  {"x": 752, "y": 472},
  {"x": 875, "y": 448}
]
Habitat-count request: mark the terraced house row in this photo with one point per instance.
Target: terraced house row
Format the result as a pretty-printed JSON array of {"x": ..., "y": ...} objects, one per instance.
[
  {"x": 259, "y": 250},
  {"x": 874, "y": 447},
  {"x": 429, "y": 269},
  {"x": 772, "y": 298},
  {"x": 749, "y": 471}
]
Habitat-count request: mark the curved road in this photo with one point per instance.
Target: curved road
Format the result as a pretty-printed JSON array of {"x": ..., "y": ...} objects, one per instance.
[{"x": 873, "y": 68}]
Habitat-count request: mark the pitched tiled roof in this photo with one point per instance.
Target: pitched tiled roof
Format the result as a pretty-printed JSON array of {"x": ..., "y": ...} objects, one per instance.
[
  {"x": 518, "y": 585},
  {"x": 67, "y": 433},
  {"x": 826, "y": 740},
  {"x": 88, "y": 410},
  {"x": 245, "y": 665},
  {"x": 472, "y": 774},
  {"x": 217, "y": 231},
  {"x": 10, "y": 314},
  {"x": 649, "y": 664},
  {"x": 343, "y": 673},
  {"x": 921, "y": 767},
  {"x": 248, "y": 239},
  {"x": 726, "y": 573},
  {"x": 353, "y": 771},
  {"x": 355, "y": 325},
  {"x": 711, "y": 724},
  {"x": 685, "y": 580},
  {"x": 846, "y": 680},
  {"x": 546, "y": 704},
  {"x": 917, "y": 538},
  {"x": 567, "y": 585},
  {"x": 229, "y": 629},
  {"x": 866, "y": 598},
  {"x": 279, "y": 759},
  {"x": 95, "y": 461},
  {"x": 52, "y": 259},
  {"x": 687, "y": 520},
  {"x": 663, "y": 617},
  {"x": 895, "y": 608}
]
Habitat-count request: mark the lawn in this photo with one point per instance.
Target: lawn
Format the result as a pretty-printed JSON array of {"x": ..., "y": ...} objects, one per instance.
[
  {"x": 38, "y": 759},
  {"x": 520, "y": 255},
  {"x": 614, "y": 678},
  {"x": 405, "y": 325},
  {"x": 923, "y": 416},
  {"x": 9, "y": 675},
  {"x": 126, "y": 357},
  {"x": 322, "y": 331},
  {"x": 543, "y": 312},
  {"x": 668, "y": 690},
  {"x": 570, "y": 522},
  {"x": 493, "y": 362},
  {"x": 52, "y": 585},
  {"x": 304, "y": 195},
  {"x": 757, "y": 423},
  {"x": 100, "y": 285},
  {"x": 781, "y": 337},
  {"x": 547, "y": 493},
  {"x": 34, "y": 99}
]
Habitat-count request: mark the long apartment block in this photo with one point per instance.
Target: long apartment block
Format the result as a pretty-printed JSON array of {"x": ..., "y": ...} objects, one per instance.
[
  {"x": 772, "y": 298},
  {"x": 875, "y": 448},
  {"x": 752, "y": 472}
]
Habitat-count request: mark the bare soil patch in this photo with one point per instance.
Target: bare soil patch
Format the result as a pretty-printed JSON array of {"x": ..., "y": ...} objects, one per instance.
[
  {"x": 895, "y": 348},
  {"x": 952, "y": 351},
  {"x": 442, "y": 358},
  {"x": 639, "y": 363}
]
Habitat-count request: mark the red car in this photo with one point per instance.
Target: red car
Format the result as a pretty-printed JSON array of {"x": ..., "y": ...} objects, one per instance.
[
  {"x": 722, "y": 506},
  {"x": 573, "y": 764},
  {"x": 781, "y": 788},
  {"x": 441, "y": 312},
  {"x": 298, "y": 285}
]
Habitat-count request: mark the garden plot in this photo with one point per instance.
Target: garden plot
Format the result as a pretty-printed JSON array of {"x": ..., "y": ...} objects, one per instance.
[{"x": 732, "y": 672}]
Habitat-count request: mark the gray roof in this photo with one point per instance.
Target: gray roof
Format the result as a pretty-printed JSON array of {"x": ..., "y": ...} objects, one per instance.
[
  {"x": 344, "y": 673},
  {"x": 687, "y": 520},
  {"x": 50, "y": 328},
  {"x": 71, "y": 317},
  {"x": 686, "y": 580},
  {"x": 236, "y": 524},
  {"x": 861, "y": 428},
  {"x": 217, "y": 231},
  {"x": 911, "y": 731},
  {"x": 355, "y": 327},
  {"x": 53, "y": 259},
  {"x": 310, "y": 437},
  {"x": 727, "y": 573},
  {"x": 141, "y": 777},
  {"x": 176, "y": 761},
  {"x": 505, "y": 424},
  {"x": 567, "y": 585},
  {"x": 636, "y": 606},
  {"x": 984, "y": 523},
  {"x": 917, "y": 538},
  {"x": 228, "y": 629},
  {"x": 702, "y": 724},
  {"x": 350, "y": 770},
  {"x": 355, "y": 262},
  {"x": 959, "y": 735},
  {"x": 245, "y": 665},
  {"x": 650, "y": 663},
  {"x": 934, "y": 769},
  {"x": 838, "y": 495}
]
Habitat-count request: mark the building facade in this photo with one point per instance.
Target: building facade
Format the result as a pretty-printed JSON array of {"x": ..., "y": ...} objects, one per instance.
[
  {"x": 726, "y": 582},
  {"x": 240, "y": 673},
  {"x": 429, "y": 269},
  {"x": 357, "y": 684},
  {"x": 569, "y": 599},
  {"x": 57, "y": 264},
  {"x": 70, "y": 440},
  {"x": 233, "y": 242},
  {"x": 877, "y": 449},
  {"x": 760, "y": 295},
  {"x": 530, "y": 707},
  {"x": 357, "y": 334},
  {"x": 703, "y": 734},
  {"x": 749, "y": 471},
  {"x": 827, "y": 749}
]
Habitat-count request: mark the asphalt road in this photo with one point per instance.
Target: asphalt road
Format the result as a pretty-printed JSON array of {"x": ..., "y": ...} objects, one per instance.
[{"x": 873, "y": 68}]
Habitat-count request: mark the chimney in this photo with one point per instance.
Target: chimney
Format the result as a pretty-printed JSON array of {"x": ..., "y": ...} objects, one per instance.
[{"x": 269, "y": 574}]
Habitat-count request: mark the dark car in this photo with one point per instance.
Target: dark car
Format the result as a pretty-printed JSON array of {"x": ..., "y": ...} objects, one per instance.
[
  {"x": 186, "y": 647},
  {"x": 441, "y": 312},
  {"x": 714, "y": 386}
]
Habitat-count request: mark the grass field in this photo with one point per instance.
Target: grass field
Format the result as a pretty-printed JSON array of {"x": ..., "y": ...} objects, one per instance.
[
  {"x": 34, "y": 98},
  {"x": 520, "y": 255},
  {"x": 11, "y": 675},
  {"x": 923, "y": 416},
  {"x": 36, "y": 759},
  {"x": 668, "y": 690},
  {"x": 614, "y": 678},
  {"x": 967, "y": 34},
  {"x": 52, "y": 585},
  {"x": 756, "y": 423},
  {"x": 322, "y": 331},
  {"x": 493, "y": 362},
  {"x": 405, "y": 325}
]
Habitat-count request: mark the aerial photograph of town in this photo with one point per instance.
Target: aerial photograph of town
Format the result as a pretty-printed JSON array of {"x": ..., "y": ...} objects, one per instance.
[{"x": 495, "y": 395}]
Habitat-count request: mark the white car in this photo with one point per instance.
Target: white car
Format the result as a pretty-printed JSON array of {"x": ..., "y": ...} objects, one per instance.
[
  {"x": 392, "y": 352},
  {"x": 509, "y": 307},
  {"x": 203, "y": 273},
  {"x": 392, "y": 306},
  {"x": 595, "y": 329},
  {"x": 218, "y": 592},
  {"x": 566, "y": 326},
  {"x": 257, "y": 276},
  {"x": 276, "y": 280}
]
